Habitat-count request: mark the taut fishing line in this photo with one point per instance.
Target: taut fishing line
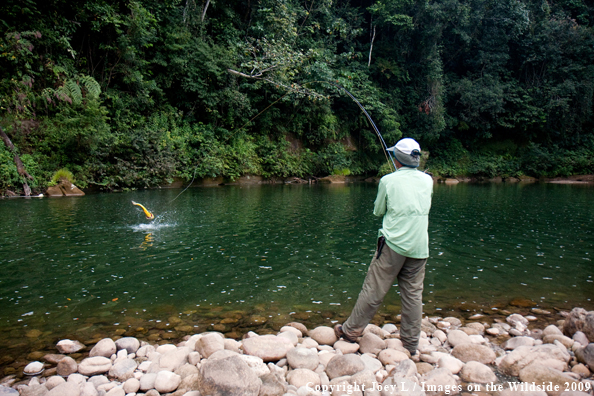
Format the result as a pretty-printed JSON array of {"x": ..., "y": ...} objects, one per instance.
[{"x": 371, "y": 122}]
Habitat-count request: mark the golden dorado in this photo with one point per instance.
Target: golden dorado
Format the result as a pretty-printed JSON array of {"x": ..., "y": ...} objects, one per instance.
[{"x": 148, "y": 214}]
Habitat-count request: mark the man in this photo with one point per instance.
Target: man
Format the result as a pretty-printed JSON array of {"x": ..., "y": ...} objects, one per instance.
[{"x": 404, "y": 200}]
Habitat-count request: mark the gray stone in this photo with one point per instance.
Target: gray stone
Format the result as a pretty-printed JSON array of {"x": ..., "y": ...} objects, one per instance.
[
  {"x": 303, "y": 377},
  {"x": 341, "y": 365},
  {"x": 479, "y": 353},
  {"x": 399, "y": 386},
  {"x": 132, "y": 385},
  {"x": 458, "y": 337},
  {"x": 522, "y": 356},
  {"x": 69, "y": 346},
  {"x": 579, "y": 320},
  {"x": 166, "y": 381},
  {"x": 271, "y": 386},
  {"x": 6, "y": 391},
  {"x": 230, "y": 377},
  {"x": 66, "y": 366},
  {"x": 478, "y": 373},
  {"x": 123, "y": 369},
  {"x": 269, "y": 348},
  {"x": 390, "y": 328},
  {"x": 371, "y": 363},
  {"x": 405, "y": 369},
  {"x": 586, "y": 355},
  {"x": 130, "y": 344},
  {"x": 147, "y": 381},
  {"x": 371, "y": 343},
  {"x": 540, "y": 374},
  {"x": 442, "y": 379},
  {"x": 451, "y": 363},
  {"x": 35, "y": 368},
  {"x": 515, "y": 342},
  {"x": 106, "y": 347},
  {"x": 551, "y": 330},
  {"x": 303, "y": 358},
  {"x": 256, "y": 364},
  {"x": 346, "y": 347},
  {"x": 581, "y": 338},
  {"x": 391, "y": 356},
  {"x": 186, "y": 370},
  {"x": 98, "y": 380},
  {"x": 65, "y": 389},
  {"x": 171, "y": 361},
  {"x": 323, "y": 335},
  {"x": 94, "y": 365}
]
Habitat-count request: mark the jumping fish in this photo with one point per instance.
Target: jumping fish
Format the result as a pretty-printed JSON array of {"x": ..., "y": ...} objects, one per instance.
[{"x": 148, "y": 214}]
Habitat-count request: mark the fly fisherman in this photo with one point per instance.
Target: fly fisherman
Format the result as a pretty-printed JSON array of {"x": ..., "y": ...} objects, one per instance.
[{"x": 404, "y": 200}]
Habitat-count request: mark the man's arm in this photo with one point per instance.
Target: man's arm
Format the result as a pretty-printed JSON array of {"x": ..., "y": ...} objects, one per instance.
[{"x": 380, "y": 205}]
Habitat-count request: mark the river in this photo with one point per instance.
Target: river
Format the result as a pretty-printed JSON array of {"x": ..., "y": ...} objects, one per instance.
[{"x": 234, "y": 258}]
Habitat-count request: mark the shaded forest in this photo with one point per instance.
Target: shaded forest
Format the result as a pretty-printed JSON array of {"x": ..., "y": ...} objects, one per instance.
[{"x": 130, "y": 94}]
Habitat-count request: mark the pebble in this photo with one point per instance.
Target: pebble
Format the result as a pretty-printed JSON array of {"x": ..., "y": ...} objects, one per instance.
[{"x": 209, "y": 363}]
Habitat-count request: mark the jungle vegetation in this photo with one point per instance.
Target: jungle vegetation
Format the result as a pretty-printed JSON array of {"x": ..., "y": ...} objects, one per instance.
[{"x": 130, "y": 94}]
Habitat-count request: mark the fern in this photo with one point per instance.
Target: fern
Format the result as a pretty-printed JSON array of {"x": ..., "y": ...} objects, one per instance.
[{"x": 91, "y": 86}]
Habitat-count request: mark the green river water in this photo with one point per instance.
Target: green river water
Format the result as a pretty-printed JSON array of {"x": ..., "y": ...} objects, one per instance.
[{"x": 235, "y": 258}]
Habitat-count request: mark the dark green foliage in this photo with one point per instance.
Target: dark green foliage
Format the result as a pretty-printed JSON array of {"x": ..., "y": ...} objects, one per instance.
[{"x": 131, "y": 94}]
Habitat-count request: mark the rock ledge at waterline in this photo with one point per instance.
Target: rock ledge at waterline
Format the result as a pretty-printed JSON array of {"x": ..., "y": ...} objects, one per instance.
[{"x": 454, "y": 358}]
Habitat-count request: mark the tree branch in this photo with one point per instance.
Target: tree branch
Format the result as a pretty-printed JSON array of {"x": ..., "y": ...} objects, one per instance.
[{"x": 371, "y": 48}]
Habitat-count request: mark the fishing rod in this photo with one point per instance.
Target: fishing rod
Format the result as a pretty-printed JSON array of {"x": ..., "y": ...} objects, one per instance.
[{"x": 387, "y": 154}]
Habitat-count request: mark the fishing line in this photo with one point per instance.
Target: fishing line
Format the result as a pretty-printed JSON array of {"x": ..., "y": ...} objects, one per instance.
[{"x": 387, "y": 154}]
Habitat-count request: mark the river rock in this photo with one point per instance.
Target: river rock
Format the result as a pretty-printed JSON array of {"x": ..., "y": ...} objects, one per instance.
[
  {"x": 341, "y": 365},
  {"x": 130, "y": 344},
  {"x": 458, "y": 337},
  {"x": 371, "y": 363},
  {"x": 405, "y": 369},
  {"x": 290, "y": 336},
  {"x": 123, "y": 369},
  {"x": 271, "y": 386},
  {"x": 478, "y": 373},
  {"x": 6, "y": 391},
  {"x": 441, "y": 378},
  {"x": 147, "y": 381},
  {"x": 268, "y": 347},
  {"x": 586, "y": 355},
  {"x": 540, "y": 374},
  {"x": 35, "y": 368},
  {"x": 106, "y": 347},
  {"x": 66, "y": 367},
  {"x": 94, "y": 365},
  {"x": 69, "y": 346},
  {"x": 230, "y": 376},
  {"x": 581, "y": 338},
  {"x": 479, "y": 353},
  {"x": 65, "y": 389},
  {"x": 166, "y": 381},
  {"x": 323, "y": 335},
  {"x": 579, "y": 320},
  {"x": 399, "y": 386},
  {"x": 303, "y": 358},
  {"x": 209, "y": 344},
  {"x": 222, "y": 354},
  {"x": 522, "y": 356},
  {"x": 346, "y": 347},
  {"x": 451, "y": 363},
  {"x": 391, "y": 356},
  {"x": 293, "y": 330},
  {"x": 256, "y": 364},
  {"x": 371, "y": 343},
  {"x": 516, "y": 342},
  {"x": 132, "y": 385},
  {"x": 172, "y": 360},
  {"x": 299, "y": 326},
  {"x": 303, "y": 377},
  {"x": 551, "y": 330},
  {"x": 390, "y": 328},
  {"x": 116, "y": 392},
  {"x": 54, "y": 381},
  {"x": 550, "y": 339}
]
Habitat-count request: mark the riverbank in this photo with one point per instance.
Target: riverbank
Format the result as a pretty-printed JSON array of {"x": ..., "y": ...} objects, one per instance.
[{"x": 478, "y": 355}]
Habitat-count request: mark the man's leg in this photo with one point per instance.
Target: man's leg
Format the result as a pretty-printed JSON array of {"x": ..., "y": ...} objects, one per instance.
[
  {"x": 410, "y": 281},
  {"x": 380, "y": 277}
]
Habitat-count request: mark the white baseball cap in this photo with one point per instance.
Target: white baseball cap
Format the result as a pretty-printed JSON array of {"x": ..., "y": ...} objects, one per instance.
[{"x": 408, "y": 152}]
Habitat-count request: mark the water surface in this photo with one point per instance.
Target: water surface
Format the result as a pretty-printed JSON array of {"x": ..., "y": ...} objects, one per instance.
[{"x": 279, "y": 250}]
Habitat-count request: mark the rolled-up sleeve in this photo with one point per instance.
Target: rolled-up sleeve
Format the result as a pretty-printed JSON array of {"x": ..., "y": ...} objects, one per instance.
[{"x": 379, "y": 208}]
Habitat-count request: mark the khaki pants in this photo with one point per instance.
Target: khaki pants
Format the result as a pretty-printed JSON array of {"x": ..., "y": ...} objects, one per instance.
[{"x": 380, "y": 277}]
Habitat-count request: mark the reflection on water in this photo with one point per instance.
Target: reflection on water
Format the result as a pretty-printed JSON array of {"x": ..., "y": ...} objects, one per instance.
[{"x": 254, "y": 253}]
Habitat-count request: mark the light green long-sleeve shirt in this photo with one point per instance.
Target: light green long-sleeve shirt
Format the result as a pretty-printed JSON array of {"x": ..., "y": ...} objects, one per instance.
[{"x": 404, "y": 199}]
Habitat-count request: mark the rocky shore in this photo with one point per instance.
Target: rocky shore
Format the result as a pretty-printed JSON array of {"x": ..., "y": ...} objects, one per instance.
[{"x": 507, "y": 357}]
